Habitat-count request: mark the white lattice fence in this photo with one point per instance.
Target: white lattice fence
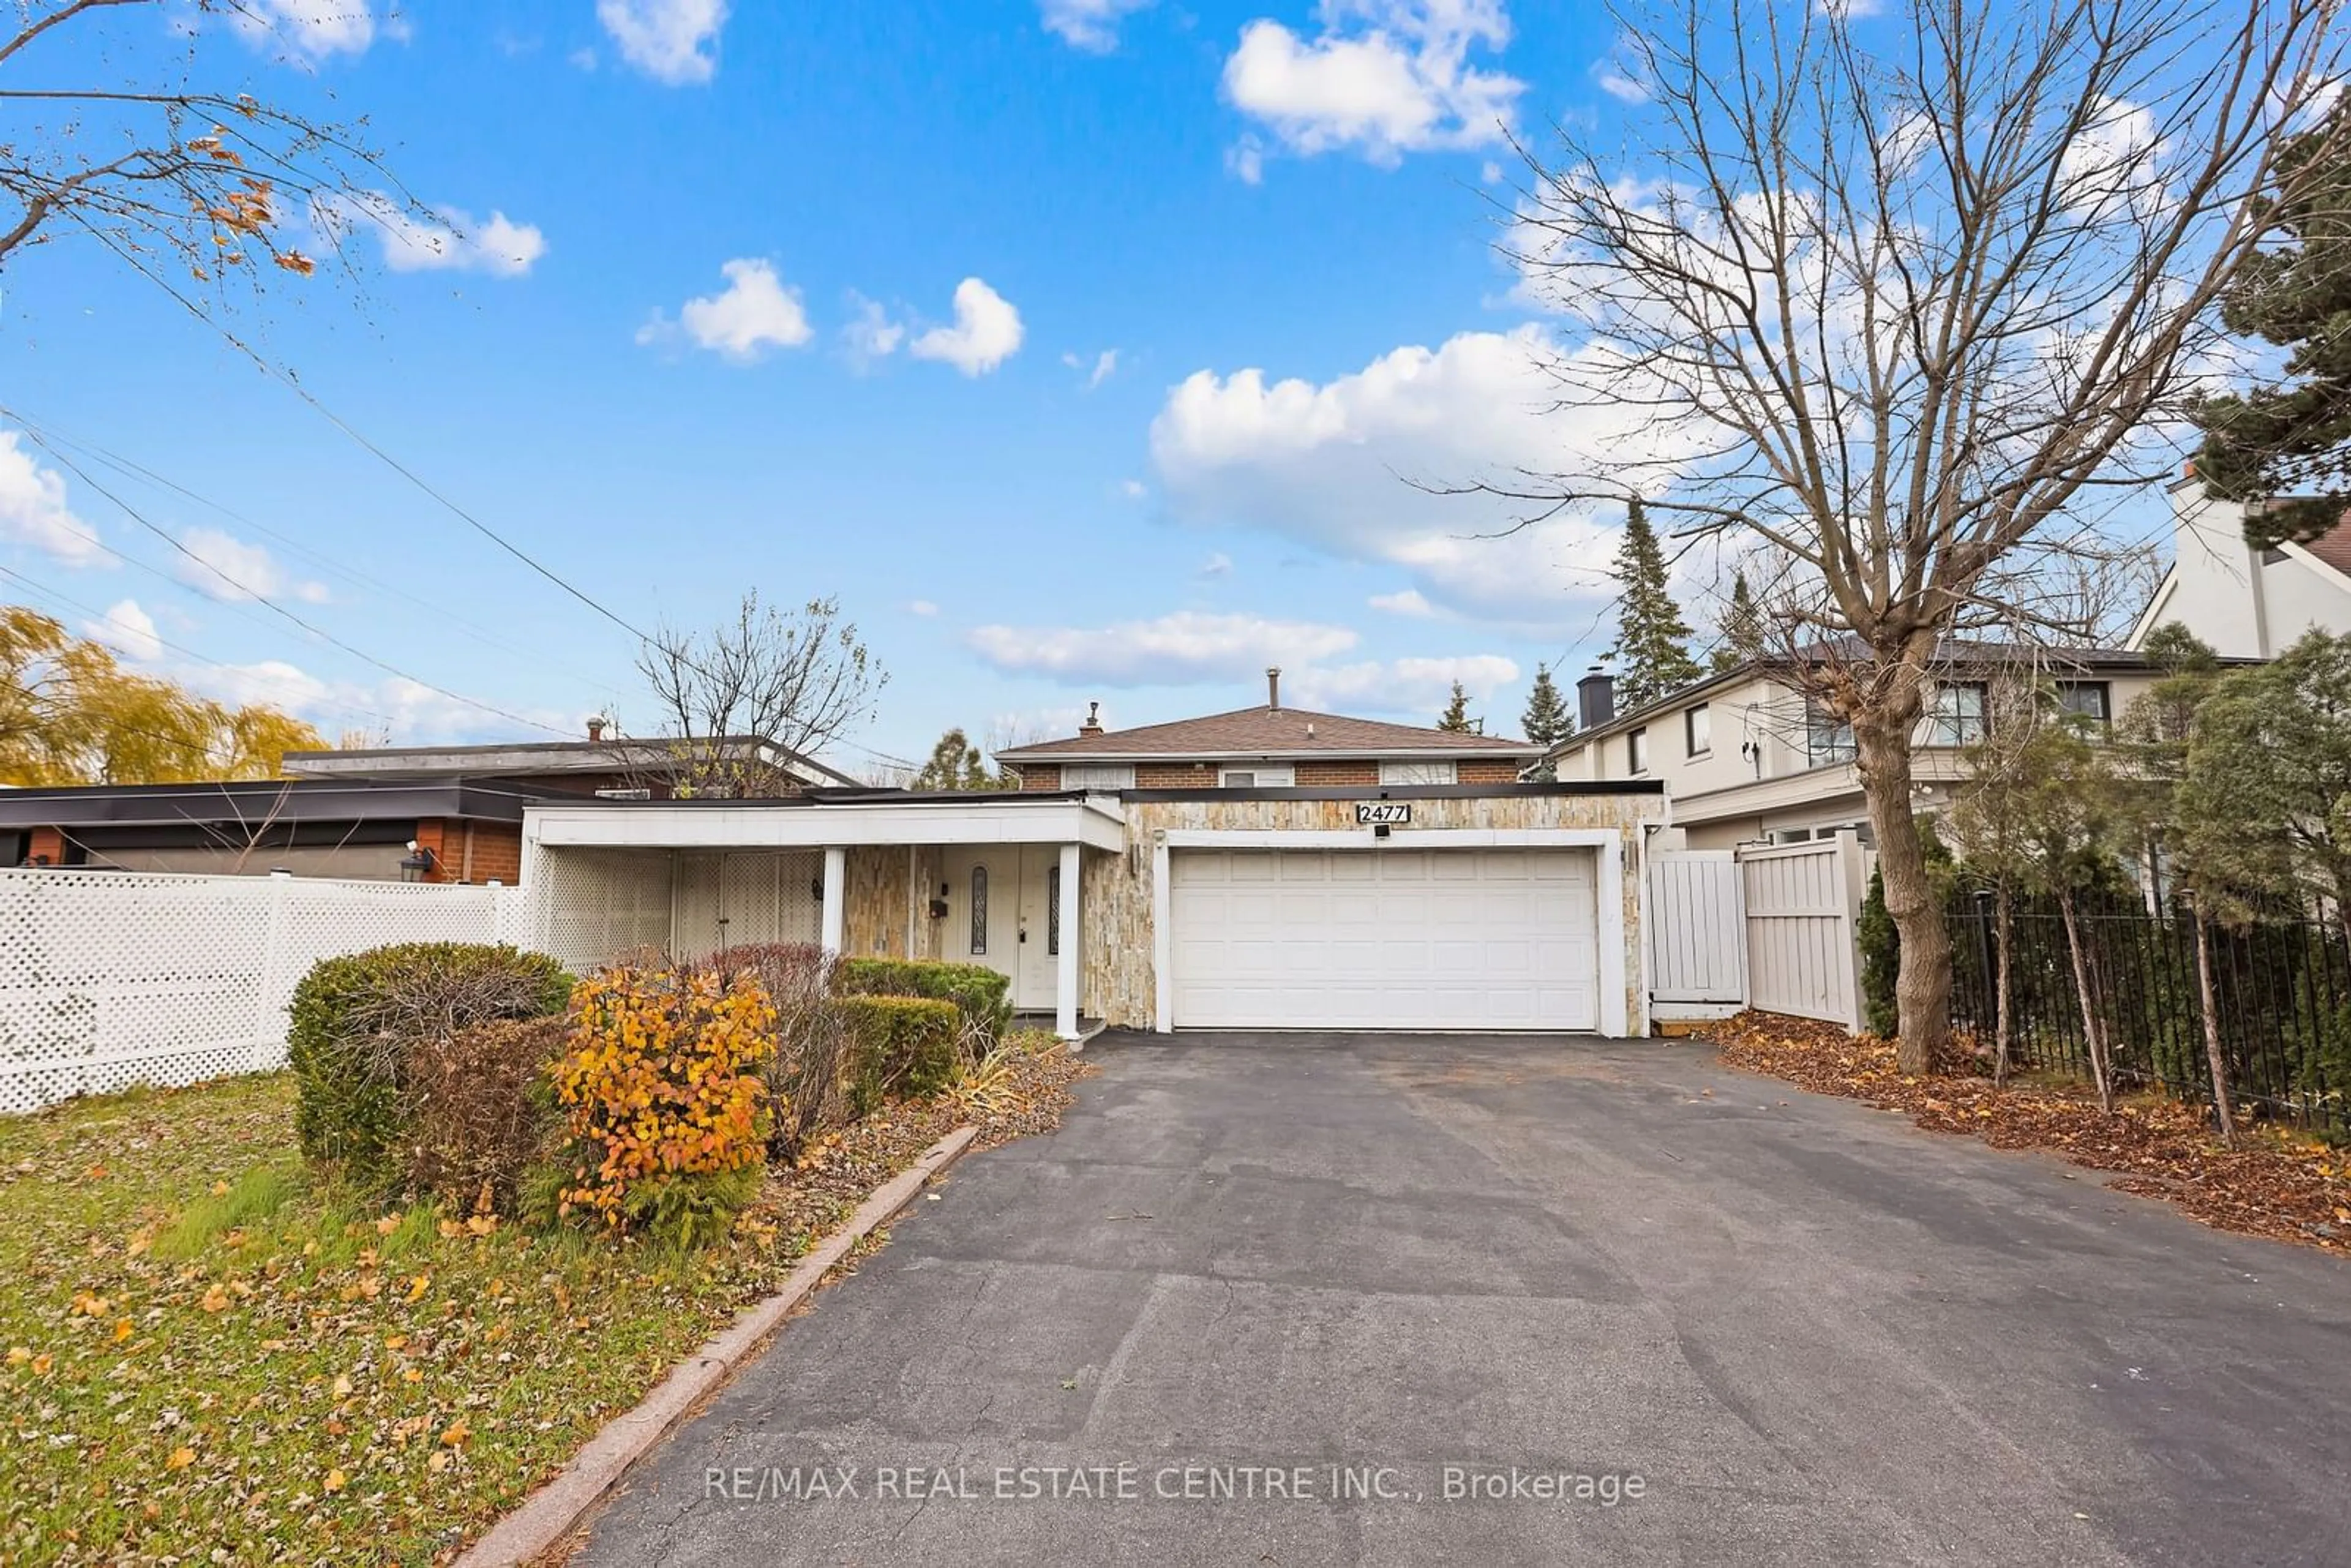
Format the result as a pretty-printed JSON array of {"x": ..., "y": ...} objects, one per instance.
[{"x": 109, "y": 978}]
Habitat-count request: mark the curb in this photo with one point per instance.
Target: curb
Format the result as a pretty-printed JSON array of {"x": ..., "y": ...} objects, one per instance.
[{"x": 555, "y": 1510}]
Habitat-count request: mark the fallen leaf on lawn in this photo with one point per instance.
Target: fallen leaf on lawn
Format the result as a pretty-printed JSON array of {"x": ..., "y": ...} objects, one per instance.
[
  {"x": 387, "y": 1224},
  {"x": 41, "y": 1365},
  {"x": 336, "y": 1480},
  {"x": 342, "y": 1387},
  {"x": 418, "y": 1286},
  {"x": 395, "y": 1342},
  {"x": 181, "y": 1459},
  {"x": 456, "y": 1434},
  {"x": 215, "y": 1301},
  {"x": 437, "y": 1463},
  {"x": 220, "y": 1189},
  {"x": 18, "y": 1356},
  {"x": 122, "y": 1329}
]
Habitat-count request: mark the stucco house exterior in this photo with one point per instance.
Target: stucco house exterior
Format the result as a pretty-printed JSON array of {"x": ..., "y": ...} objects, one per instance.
[
  {"x": 1264, "y": 868},
  {"x": 2247, "y": 602}
]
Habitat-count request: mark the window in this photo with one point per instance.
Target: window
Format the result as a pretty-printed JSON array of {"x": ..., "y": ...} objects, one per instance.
[
  {"x": 979, "y": 909},
  {"x": 1264, "y": 776},
  {"x": 1828, "y": 740},
  {"x": 2091, "y": 700},
  {"x": 1958, "y": 718},
  {"x": 1054, "y": 909},
  {"x": 1636, "y": 751},
  {"x": 1697, "y": 728},
  {"x": 1420, "y": 773},
  {"x": 1098, "y": 776}
]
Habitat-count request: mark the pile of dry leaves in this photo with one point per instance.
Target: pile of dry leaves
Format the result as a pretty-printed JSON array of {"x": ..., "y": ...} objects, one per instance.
[{"x": 2276, "y": 1184}]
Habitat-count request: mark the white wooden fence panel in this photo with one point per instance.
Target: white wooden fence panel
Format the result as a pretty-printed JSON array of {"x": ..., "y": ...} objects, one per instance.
[
  {"x": 1698, "y": 936},
  {"x": 112, "y": 978},
  {"x": 1803, "y": 907}
]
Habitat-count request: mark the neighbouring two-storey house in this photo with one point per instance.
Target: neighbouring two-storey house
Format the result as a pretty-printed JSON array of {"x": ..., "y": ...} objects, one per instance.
[{"x": 1744, "y": 758}]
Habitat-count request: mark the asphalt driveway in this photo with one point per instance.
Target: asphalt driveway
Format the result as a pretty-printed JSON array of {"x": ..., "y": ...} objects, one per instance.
[{"x": 1263, "y": 1271}]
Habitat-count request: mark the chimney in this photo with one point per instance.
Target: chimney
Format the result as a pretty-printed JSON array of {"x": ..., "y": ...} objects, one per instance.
[
  {"x": 1093, "y": 720},
  {"x": 1273, "y": 689},
  {"x": 596, "y": 729},
  {"x": 1595, "y": 699}
]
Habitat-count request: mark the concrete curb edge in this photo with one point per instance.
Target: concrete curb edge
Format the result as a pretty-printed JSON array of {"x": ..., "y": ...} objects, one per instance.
[{"x": 552, "y": 1511}]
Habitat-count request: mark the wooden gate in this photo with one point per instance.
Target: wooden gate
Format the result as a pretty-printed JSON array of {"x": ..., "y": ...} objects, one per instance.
[
  {"x": 1698, "y": 937},
  {"x": 1803, "y": 917}
]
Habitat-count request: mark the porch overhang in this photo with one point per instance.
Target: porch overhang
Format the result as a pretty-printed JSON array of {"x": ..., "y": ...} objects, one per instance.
[{"x": 1095, "y": 822}]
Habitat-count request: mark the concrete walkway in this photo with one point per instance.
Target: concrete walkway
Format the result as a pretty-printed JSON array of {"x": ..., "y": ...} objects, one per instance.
[{"x": 1283, "y": 1265}]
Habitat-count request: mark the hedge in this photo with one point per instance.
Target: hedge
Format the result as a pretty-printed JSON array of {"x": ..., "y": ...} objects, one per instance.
[
  {"x": 899, "y": 1045},
  {"x": 981, "y": 995},
  {"x": 356, "y": 1020}
]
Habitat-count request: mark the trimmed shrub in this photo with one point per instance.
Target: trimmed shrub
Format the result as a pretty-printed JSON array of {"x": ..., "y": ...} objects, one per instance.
[
  {"x": 900, "y": 1045},
  {"x": 356, "y": 1020},
  {"x": 981, "y": 995},
  {"x": 478, "y": 1114},
  {"x": 807, "y": 1076},
  {"x": 661, "y": 1085}
]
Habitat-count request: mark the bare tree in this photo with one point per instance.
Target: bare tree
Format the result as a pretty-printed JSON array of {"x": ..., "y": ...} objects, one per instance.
[
  {"x": 183, "y": 180},
  {"x": 1911, "y": 298},
  {"x": 740, "y": 703}
]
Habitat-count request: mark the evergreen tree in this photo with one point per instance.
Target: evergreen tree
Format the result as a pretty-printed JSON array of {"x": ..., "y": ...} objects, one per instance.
[
  {"x": 955, "y": 764},
  {"x": 2292, "y": 437},
  {"x": 1652, "y": 650},
  {"x": 1547, "y": 720},
  {"x": 1742, "y": 628},
  {"x": 1456, "y": 716}
]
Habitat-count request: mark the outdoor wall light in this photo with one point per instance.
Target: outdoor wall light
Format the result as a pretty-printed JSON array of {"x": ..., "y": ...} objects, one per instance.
[{"x": 419, "y": 863}]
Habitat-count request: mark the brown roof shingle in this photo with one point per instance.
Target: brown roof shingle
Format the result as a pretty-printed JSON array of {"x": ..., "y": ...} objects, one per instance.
[{"x": 1264, "y": 731}]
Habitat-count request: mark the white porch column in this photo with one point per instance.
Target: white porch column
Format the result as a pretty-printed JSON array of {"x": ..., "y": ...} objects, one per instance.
[
  {"x": 836, "y": 896},
  {"x": 1066, "y": 968}
]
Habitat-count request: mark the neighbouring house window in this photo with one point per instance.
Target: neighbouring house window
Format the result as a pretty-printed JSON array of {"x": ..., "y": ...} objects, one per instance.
[
  {"x": 1264, "y": 776},
  {"x": 1699, "y": 730},
  {"x": 1958, "y": 718},
  {"x": 1420, "y": 772},
  {"x": 1828, "y": 740},
  {"x": 1636, "y": 751},
  {"x": 979, "y": 909},
  {"x": 1052, "y": 910},
  {"x": 2091, "y": 700},
  {"x": 1098, "y": 776}
]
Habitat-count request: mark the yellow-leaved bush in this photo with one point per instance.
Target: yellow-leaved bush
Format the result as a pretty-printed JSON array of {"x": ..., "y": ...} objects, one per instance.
[{"x": 662, "y": 1088}]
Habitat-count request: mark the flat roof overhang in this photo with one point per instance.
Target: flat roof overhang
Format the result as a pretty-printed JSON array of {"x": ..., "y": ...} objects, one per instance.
[
  {"x": 1095, "y": 820},
  {"x": 252, "y": 802}
]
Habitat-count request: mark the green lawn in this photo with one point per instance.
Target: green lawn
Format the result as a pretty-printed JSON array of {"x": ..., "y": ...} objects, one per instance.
[{"x": 206, "y": 1350}]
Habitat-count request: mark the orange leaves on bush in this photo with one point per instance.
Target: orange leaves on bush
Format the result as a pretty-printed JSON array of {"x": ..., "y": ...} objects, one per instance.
[{"x": 661, "y": 1077}]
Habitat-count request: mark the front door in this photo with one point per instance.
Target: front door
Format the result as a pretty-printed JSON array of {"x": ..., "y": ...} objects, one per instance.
[
  {"x": 997, "y": 916},
  {"x": 1036, "y": 970}
]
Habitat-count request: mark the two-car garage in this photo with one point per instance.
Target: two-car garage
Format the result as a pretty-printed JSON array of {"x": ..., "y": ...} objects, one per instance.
[{"x": 1387, "y": 938}]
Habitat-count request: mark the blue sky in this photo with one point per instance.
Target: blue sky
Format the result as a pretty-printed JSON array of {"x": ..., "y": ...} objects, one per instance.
[{"x": 1082, "y": 348}]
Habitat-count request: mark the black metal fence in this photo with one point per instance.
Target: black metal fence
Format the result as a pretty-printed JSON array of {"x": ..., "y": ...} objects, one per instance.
[{"x": 2282, "y": 990}]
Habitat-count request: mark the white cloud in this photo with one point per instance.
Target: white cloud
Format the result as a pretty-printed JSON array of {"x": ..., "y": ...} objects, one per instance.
[
  {"x": 754, "y": 312},
  {"x": 220, "y": 565},
  {"x": 33, "y": 510},
  {"x": 922, "y": 607},
  {"x": 1218, "y": 564},
  {"x": 1132, "y": 489},
  {"x": 449, "y": 240},
  {"x": 2114, "y": 161},
  {"x": 985, "y": 333},
  {"x": 129, "y": 630},
  {"x": 1186, "y": 647},
  {"x": 672, "y": 41},
  {"x": 1105, "y": 365},
  {"x": 1336, "y": 465},
  {"x": 1417, "y": 687},
  {"x": 1410, "y": 602},
  {"x": 1089, "y": 25},
  {"x": 1612, "y": 79},
  {"x": 1381, "y": 78},
  {"x": 310, "y": 29},
  {"x": 871, "y": 334}
]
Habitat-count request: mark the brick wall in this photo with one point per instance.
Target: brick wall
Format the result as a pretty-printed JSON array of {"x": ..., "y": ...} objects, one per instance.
[
  {"x": 1042, "y": 775},
  {"x": 47, "y": 845},
  {"x": 494, "y": 854},
  {"x": 1173, "y": 776},
  {"x": 1481, "y": 771},
  {"x": 1337, "y": 773}
]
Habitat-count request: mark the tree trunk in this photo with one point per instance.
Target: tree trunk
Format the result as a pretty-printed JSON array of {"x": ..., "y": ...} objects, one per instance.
[
  {"x": 2093, "y": 1035},
  {"x": 2213, "y": 1057},
  {"x": 2003, "y": 1031},
  {"x": 1922, "y": 991}
]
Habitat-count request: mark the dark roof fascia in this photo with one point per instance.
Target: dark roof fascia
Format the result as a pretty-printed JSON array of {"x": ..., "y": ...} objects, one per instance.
[
  {"x": 816, "y": 798},
  {"x": 254, "y": 801},
  {"x": 1409, "y": 792}
]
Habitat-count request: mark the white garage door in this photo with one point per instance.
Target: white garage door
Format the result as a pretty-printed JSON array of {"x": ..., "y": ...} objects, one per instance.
[{"x": 1384, "y": 939}]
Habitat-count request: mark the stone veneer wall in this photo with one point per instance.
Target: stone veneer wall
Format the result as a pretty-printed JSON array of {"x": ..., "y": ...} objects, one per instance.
[
  {"x": 1118, "y": 984},
  {"x": 873, "y": 915}
]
